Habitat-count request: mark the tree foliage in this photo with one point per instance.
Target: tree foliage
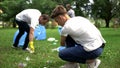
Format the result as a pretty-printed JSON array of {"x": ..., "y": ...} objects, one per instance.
[
  {"x": 44, "y": 6},
  {"x": 10, "y": 8},
  {"x": 105, "y": 9}
]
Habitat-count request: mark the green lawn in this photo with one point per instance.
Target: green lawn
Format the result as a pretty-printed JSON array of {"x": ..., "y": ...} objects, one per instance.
[{"x": 44, "y": 57}]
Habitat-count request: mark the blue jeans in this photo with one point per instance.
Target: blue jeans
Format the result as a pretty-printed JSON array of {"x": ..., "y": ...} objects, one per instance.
[{"x": 76, "y": 53}]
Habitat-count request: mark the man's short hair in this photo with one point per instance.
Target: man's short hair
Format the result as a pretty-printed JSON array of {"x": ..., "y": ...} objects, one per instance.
[{"x": 59, "y": 10}]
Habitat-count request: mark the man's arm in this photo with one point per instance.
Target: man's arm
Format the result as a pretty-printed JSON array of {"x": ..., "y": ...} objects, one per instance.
[
  {"x": 62, "y": 43},
  {"x": 31, "y": 37},
  {"x": 63, "y": 38},
  {"x": 31, "y": 34}
]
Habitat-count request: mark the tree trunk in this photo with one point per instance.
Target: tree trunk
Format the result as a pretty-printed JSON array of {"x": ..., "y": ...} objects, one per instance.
[
  {"x": 14, "y": 25},
  {"x": 107, "y": 23},
  {"x": 3, "y": 24}
]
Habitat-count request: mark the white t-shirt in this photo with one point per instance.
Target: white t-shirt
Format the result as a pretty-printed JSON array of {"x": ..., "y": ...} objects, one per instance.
[
  {"x": 83, "y": 32},
  {"x": 31, "y": 16},
  {"x": 71, "y": 13}
]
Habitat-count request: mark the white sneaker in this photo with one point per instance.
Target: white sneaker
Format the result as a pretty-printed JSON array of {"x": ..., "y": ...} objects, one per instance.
[
  {"x": 71, "y": 65},
  {"x": 94, "y": 64},
  {"x": 28, "y": 49}
]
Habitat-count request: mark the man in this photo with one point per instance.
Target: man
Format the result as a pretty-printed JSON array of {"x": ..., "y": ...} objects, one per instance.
[
  {"x": 70, "y": 11},
  {"x": 83, "y": 41},
  {"x": 27, "y": 20}
]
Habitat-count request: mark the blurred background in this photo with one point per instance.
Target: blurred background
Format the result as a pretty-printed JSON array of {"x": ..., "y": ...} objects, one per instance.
[{"x": 103, "y": 13}]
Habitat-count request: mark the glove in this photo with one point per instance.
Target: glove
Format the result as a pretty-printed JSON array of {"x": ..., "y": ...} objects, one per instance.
[
  {"x": 31, "y": 47},
  {"x": 61, "y": 48}
]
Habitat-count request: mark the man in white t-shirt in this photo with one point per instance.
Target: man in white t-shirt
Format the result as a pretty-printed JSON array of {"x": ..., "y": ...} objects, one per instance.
[
  {"x": 27, "y": 20},
  {"x": 83, "y": 41},
  {"x": 70, "y": 11}
]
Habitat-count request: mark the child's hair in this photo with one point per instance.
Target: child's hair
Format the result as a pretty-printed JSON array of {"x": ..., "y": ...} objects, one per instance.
[{"x": 59, "y": 10}]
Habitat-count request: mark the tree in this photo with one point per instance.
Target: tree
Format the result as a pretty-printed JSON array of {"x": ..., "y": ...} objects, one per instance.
[
  {"x": 12, "y": 7},
  {"x": 80, "y": 7},
  {"x": 77, "y": 3},
  {"x": 45, "y": 6},
  {"x": 105, "y": 9}
]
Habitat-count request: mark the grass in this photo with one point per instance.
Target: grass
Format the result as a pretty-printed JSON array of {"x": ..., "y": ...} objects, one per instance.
[{"x": 44, "y": 57}]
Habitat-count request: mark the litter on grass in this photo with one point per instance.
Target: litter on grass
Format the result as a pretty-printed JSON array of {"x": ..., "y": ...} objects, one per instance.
[{"x": 52, "y": 40}]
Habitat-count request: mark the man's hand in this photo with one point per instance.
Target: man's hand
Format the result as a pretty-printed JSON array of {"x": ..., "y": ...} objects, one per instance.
[
  {"x": 61, "y": 48},
  {"x": 31, "y": 47}
]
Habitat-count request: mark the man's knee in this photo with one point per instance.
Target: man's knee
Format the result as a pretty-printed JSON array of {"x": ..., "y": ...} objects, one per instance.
[{"x": 61, "y": 55}]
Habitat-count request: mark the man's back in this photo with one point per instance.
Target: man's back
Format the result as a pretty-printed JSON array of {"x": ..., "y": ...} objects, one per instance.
[{"x": 28, "y": 14}]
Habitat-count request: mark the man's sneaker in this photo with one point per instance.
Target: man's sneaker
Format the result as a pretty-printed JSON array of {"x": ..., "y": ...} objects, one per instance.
[
  {"x": 15, "y": 47},
  {"x": 27, "y": 49},
  {"x": 71, "y": 65},
  {"x": 94, "y": 64}
]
